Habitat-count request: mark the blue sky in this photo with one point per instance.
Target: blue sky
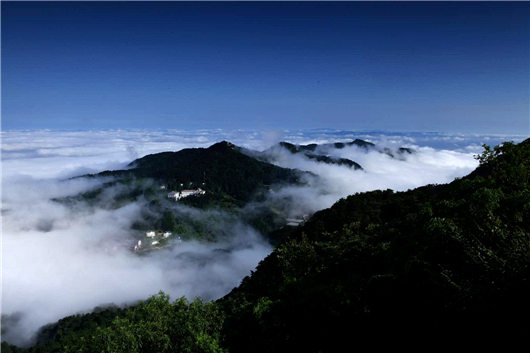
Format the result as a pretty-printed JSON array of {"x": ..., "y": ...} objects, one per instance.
[{"x": 401, "y": 66}]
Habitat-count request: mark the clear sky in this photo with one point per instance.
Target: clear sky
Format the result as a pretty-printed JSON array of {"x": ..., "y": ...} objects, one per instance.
[{"x": 401, "y": 66}]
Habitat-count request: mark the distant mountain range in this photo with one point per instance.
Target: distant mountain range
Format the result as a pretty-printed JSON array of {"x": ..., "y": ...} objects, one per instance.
[
  {"x": 320, "y": 153},
  {"x": 232, "y": 175},
  {"x": 308, "y": 151},
  {"x": 325, "y": 148}
]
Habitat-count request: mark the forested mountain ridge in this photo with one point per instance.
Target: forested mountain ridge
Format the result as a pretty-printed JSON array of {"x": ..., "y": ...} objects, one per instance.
[
  {"x": 309, "y": 152},
  {"x": 441, "y": 262},
  {"x": 230, "y": 180},
  {"x": 320, "y": 153},
  {"x": 227, "y": 175},
  {"x": 438, "y": 261},
  {"x": 313, "y": 146},
  {"x": 220, "y": 167},
  {"x": 340, "y": 145}
]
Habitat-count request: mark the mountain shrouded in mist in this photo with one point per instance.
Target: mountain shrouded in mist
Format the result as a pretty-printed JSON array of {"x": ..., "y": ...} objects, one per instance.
[
  {"x": 441, "y": 261},
  {"x": 224, "y": 172},
  {"x": 324, "y": 153}
]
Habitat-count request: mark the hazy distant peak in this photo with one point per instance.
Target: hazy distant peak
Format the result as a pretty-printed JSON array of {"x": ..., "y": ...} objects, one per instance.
[
  {"x": 361, "y": 143},
  {"x": 406, "y": 150}
]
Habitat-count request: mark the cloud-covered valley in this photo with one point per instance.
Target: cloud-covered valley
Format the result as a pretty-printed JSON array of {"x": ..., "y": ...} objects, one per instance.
[{"x": 60, "y": 259}]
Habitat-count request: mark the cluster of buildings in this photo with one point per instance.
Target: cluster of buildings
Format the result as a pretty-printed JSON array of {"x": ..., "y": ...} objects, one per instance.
[
  {"x": 152, "y": 234},
  {"x": 177, "y": 195}
]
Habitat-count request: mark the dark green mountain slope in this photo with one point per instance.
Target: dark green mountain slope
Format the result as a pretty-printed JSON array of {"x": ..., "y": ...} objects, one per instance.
[
  {"x": 440, "y": 262},
  {"x": 220, "y": 169},
  {"x": 230, "y": 178}
]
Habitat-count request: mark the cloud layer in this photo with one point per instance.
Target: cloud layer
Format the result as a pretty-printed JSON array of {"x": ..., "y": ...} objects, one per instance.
[
  {"x": 49, "y": 154},
  {"x": 60, "y": 260}
]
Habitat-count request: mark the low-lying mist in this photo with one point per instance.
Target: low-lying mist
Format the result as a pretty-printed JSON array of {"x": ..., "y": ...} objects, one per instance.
[
  {"x": 60, "y": 259},
  {"x": 380, "y": 171}
]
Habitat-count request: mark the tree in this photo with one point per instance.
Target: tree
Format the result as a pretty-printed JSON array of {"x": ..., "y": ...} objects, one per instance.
[
  {"x": 168, "y": 221},
  {"x": 157, "y": 325},
  {"x": 507, "y": 163}
]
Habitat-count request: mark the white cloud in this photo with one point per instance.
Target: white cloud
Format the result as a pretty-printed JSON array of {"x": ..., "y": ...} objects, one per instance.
[
  {"x": 426, "y": 166},
  {"x": 60, "y": 260}
]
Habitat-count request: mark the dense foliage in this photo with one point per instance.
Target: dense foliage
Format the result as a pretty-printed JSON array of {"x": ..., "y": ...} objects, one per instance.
[
  {"x": 154, "y": 325},
  {"x": 448, "y": 260},
  {"x": 440, "y": 262}
]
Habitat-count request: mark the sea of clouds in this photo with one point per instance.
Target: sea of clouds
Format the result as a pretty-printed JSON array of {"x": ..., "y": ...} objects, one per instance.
[{"x": 59, "y": 260}]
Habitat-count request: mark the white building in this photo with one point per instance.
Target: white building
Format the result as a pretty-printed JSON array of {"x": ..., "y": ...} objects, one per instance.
[
  {"x": 173, "y": 195},
  {"x": 184, "y": 193},
  {"x": 166, "y": 234},
  {"x": 150, "y": 234},
  {"x": 293, "y": 222},
  {"x": 154, "y": 242}
]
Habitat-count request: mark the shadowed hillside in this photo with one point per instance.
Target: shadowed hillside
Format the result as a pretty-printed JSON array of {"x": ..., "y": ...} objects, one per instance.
[{"x": 438, "y": 261}]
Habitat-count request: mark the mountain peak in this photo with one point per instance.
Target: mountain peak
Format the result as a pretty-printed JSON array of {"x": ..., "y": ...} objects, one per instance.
[
  {"x": 222, "y": 146},
  {"x": 361, "y": 143}
]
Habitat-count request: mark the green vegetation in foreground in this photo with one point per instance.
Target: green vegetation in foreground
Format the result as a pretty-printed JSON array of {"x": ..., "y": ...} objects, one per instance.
[
  {"x": 437, "y": 262},
  {"x": 154, "y": 325},
  {"x": 441, "y": 262}
]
